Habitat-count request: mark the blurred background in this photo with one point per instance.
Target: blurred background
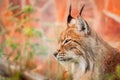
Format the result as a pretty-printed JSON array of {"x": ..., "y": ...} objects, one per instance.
[{"x": 29, "y": 29}]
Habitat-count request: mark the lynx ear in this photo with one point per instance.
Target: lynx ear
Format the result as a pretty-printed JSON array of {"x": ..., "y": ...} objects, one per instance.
[
  {"x": 70, "y": 20},
  {"x": 82, "y": 24}
]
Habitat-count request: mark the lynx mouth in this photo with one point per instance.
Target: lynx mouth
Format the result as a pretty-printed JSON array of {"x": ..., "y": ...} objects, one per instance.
[{"x": 64, "y": 59}]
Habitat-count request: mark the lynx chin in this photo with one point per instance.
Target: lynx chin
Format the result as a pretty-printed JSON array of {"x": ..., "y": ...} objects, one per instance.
[{"x": 88, "y": 55}]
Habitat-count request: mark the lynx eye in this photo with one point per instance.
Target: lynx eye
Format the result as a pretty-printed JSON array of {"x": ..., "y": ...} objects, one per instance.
[{"x": 66, "y": 41}]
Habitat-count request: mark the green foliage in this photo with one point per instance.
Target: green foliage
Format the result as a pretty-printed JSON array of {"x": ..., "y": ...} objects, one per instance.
[
  {"x": 118, "y": 71},
  {"x": 20, "y": 51},
  {"x": 15, "y": 77},
  {"x": 28, "y": 9},
  {"x": 29, "y": 31},
  {"x": 1, "y": 52},
  {"x": 14, "y": 46},
  {"x": 113, "y": 76},
  {"x": 17, "y": 56},
  {"x": 109, "y": 77},
  {"x": 10, "y": 42}
]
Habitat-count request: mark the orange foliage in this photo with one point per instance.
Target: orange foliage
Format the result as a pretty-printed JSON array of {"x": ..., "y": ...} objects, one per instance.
[{"x": 5, "y": 19}]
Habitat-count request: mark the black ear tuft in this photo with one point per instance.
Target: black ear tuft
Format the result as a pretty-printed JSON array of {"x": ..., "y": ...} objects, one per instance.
[
  {"x": 69, "y": 16},
  {"x": 81, "y": 10},
  {"x": 70, "y": 10}
]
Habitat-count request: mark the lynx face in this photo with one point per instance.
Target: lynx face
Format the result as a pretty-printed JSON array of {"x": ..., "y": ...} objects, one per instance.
[
  {"x": 75, "y": 43},
  {"x": 69, "y": 46}
]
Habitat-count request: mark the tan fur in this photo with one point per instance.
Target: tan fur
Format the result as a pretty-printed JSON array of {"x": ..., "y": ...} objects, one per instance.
[{"x": 90, "y": 56}]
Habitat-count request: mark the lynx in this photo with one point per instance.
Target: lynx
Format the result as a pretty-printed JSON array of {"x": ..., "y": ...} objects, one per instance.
[{"x": 88, "y": 55}]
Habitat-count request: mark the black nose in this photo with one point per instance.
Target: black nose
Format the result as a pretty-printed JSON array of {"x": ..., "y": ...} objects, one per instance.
[{"x": 55, "y": 54}]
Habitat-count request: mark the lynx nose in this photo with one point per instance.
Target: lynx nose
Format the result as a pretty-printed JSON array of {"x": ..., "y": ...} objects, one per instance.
[{"x": 55, "y": 54}]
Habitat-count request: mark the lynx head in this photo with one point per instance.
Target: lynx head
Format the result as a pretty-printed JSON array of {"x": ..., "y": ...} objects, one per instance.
[{"x": 76, "y": 41}]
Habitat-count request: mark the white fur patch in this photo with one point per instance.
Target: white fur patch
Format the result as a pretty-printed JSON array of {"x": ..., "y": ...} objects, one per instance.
[
  {"x": 73, "y": 67},
  {"x": 72, "y": 22},
  {"x": 80, "y": 69},
  {"x": 82, "y": 65}
]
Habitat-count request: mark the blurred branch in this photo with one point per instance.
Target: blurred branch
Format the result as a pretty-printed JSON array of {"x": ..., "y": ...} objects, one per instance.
[
  {"x": 9, "y": 71},
  {"x": 112, "y": 15}
]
